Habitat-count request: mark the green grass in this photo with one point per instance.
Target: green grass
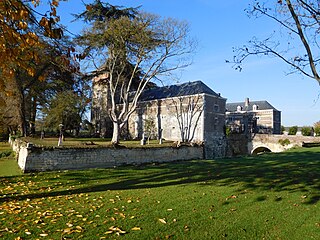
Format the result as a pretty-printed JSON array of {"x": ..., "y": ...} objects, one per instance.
[
  {"x": 8, "y": 164},
  {"x": 272, "y": 196},
  {"x": 83, "y": 142}
]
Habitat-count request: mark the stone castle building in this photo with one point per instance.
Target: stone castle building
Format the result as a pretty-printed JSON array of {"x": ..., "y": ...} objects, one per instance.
[
  {"x": 186, "y": 112},
  {"x": 253, "y": 117}
]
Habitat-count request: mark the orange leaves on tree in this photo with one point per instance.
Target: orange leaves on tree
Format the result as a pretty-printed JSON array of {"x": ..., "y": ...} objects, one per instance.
[{"x": 19, "y": 43}]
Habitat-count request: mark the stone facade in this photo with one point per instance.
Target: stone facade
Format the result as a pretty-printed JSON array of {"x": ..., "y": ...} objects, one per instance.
[
  {"x": 99, "y": 110},
  {"x": 189, "y": 112},
  {"x": 253, "y": 117}
]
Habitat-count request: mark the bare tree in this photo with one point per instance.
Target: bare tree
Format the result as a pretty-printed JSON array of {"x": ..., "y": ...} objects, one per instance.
[
  {"x": 144, "y": 47},
  {"x": 150, "y": 128},
  {"x": 297, "y": 42},
  {"x": 188, "y": 111}
]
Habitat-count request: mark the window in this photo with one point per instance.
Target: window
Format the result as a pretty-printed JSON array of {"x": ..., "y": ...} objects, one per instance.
[
  {"x": 216, "y": 108},
  {"x": 216, "y": 121},
  {"x": 239, "y": 108},
  {"x": 255, "y": 107}
]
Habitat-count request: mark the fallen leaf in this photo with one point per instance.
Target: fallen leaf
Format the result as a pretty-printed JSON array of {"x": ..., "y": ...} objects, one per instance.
[
  {"x": 43, "y": 234},
  {"x": 78, "y": 227},
  {"x": 162, "y": 220},
  {"x": 67, "y": 230},
  {"x": 136, "y": 229},
  {"x": 232, "y": 197}
]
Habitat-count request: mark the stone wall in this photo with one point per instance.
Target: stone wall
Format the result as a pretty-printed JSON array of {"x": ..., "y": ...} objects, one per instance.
[
  {"x": 237, "y": 145},
  {"x": 34, "y": 159},
  {"x": 213, "y": 125}
]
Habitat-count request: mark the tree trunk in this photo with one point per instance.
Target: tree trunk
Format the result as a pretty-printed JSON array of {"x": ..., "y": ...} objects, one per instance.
[
  {"x": 22, "y": 115},
  {"x": 33, "y": 114},
  {"x": 116, "y": 133}
]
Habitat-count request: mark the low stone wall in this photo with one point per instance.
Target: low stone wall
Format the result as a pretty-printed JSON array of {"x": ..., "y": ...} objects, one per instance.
[
  {"x": 33, "y": 159},
  {"x": 237, "y": 145}
]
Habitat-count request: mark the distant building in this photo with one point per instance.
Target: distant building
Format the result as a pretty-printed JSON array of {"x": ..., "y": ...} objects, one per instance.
[{"x": 253, "y": 117}]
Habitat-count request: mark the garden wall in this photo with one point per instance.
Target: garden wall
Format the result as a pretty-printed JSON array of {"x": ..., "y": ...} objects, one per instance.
[{"x": 34, "y": 159}]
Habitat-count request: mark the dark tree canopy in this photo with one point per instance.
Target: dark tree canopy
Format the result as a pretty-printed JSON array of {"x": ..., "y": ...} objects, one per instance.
[{"x": 102, "y": 12}]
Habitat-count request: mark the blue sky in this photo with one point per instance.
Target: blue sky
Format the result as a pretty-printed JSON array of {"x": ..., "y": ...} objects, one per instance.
[{"x": 219, "y": 26}]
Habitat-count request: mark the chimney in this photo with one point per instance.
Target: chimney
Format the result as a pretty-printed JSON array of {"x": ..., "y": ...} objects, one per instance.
[{"x": 246, "y": 102}]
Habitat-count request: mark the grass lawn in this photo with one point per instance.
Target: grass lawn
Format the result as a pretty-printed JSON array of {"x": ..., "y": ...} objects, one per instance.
[
  {"x": 8, "y": 164},
  {"x": 71, "y": 142},
  {"x": 272, "y": 196}
]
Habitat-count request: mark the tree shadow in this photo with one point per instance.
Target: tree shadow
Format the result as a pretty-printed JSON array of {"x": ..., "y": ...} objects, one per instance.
[{"x": 290, "y": 171}]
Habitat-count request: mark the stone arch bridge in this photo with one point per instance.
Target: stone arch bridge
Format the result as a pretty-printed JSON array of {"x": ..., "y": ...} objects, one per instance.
[{"x": 277, "y": 143}]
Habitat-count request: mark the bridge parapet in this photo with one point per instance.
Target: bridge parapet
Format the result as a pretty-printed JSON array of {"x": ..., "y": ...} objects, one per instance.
[{"x": 277, "y": 143}]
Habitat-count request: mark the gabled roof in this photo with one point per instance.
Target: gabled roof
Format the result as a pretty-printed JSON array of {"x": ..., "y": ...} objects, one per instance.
[
  {"x": 262, "y": 105},
  {"x": 184, "y": 89}
]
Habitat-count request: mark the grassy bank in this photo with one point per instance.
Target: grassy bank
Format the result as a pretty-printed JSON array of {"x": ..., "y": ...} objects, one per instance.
[
  {"x": 273, "y": 196},
  {"x": 85, "y": 142},
  {"x": 8, "y": 164}
]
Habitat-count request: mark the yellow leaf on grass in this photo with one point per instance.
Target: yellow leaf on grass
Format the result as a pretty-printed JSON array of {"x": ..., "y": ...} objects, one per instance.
[
  {"x": 67, "y": 230},
  {"x": 162, "y": 220},
  {"x": 136, "y": 229},
  {"x": 43, "y": 234}
]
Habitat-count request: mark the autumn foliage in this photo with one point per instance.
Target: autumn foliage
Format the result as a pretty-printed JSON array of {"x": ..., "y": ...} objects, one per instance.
[
  {"x": 19, "y": 39},
  {"x": 33, "y": 49}
]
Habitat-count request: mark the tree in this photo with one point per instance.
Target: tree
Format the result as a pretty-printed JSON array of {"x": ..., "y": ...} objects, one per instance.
[
  {"x": 67, "y": 108},
  {"x": 187, "y": 111},
  {"x": 300, "y": 20},
  {"x": 123, "y": 47},
  {"x": 317, "y": 128},
  {"x": 18, "y": 39},
  {"x": 149, "y": 128},
  {"x": 31, "y": 52},
  {"x": 293, "y": 130},
  {"x": 306, "y": 131}
]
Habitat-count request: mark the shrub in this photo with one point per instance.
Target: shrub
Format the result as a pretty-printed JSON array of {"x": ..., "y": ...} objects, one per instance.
[
  {"x": 317, "y": 128},
  {"x": 306, "y": 131},
  {"x": 228, "y": 130},
  {"x": 282, "y": 129},
  {"x": 284, "y": 142},
  {"x": 6, "y": 153},
  {"x": 293, "y": 130}
]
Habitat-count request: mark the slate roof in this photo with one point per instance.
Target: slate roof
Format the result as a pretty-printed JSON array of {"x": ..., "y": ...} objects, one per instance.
[
  {"x": 262, "y": 105},
  {"x": 184, "y": 89}
]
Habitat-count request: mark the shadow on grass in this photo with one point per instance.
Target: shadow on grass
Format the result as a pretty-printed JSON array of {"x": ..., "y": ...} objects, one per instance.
[{"x": 295, "y": 171}]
